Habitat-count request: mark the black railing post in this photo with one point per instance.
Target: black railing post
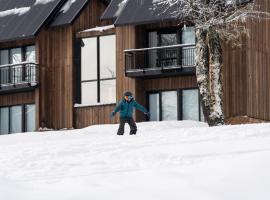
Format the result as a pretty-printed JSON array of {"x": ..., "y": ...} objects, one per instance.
[{"x": 14, "y": 81}]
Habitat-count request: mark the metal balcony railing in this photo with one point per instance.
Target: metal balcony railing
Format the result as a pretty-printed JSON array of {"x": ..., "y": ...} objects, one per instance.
[
  {"x": 19, "y": 75},
  {"x": 160, "y": 58}
]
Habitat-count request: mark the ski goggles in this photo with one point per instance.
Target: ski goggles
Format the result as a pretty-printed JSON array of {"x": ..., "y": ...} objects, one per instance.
[{"x": 128, "y": 98}]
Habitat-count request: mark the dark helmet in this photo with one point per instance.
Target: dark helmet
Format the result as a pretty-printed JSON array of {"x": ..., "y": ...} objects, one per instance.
[{"x": 128, "y": 93}]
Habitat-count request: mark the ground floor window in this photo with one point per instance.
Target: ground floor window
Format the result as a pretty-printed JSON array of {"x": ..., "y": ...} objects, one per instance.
[
  {"x": 182, "y": 104},
  {"x": 16, "y": 119}
]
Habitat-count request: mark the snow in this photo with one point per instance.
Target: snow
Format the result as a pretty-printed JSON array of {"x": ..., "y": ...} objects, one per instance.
[
  {"x": 67, "y": 5},
  {"x": 15, "y": 11},
  {"x": 43, "y": 2},
  {"x": 165, "y": 160},
  {"x": 99, "y": 28}
]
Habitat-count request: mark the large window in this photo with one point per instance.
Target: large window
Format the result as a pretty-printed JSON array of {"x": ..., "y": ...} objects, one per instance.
[
  {"x": 180, "y": 104},
  {"x": 98, "y": 70},
  {"x": 15, "y": 56},
  {"x": 16, "y": 119}
]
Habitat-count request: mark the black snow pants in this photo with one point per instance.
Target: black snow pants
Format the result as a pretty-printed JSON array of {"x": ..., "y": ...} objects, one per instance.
[{"x": 131, "y": 123}]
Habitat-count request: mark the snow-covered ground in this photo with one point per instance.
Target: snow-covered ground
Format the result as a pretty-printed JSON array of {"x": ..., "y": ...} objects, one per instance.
[{"x": 165, "y": 161}]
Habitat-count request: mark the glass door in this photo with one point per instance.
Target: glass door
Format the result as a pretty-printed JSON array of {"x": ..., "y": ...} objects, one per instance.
[
  {"x": 190, "y": 105},
  {"x": 154, "y": 107}
]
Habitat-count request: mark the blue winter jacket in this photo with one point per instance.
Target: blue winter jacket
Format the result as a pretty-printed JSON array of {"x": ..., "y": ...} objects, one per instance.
[{"x": 126, "y": 108}]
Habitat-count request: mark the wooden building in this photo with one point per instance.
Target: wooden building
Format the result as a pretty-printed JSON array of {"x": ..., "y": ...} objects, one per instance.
[{"x": 65, "y": 64}]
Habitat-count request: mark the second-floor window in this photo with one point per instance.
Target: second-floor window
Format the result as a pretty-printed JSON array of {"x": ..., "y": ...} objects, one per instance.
[
  {"x": 171, "y": 57},
  {"x": 19, "y": 73},
  {"x": 98, "y": 70}
]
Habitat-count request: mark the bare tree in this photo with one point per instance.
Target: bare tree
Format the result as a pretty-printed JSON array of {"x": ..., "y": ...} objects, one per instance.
[{"x": 214, "y": 20}]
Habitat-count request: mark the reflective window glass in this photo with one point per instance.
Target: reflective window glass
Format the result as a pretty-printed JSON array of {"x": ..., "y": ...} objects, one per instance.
[
  {"x": 190, "y": 105},
  {"x": 169, "y": 105},
  {"x": 30, "y": 118},
  {"x": 4, "y": 120},
  {"x": 16, "y": 119},
  {"x": 154, "y": 107}
]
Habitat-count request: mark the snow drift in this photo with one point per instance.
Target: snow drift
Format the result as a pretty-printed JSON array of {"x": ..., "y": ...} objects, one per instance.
[{"x": 166, "y": 160}]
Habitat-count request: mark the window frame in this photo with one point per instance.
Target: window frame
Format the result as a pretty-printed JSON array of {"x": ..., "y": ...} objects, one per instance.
[
  {"x": 99, "y": 79},
  {"x": 179, "y": 101},
  {"x": 24, "y": 117}
]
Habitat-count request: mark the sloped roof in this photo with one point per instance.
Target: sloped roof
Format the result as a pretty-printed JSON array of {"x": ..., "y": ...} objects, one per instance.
[
  {"x": 23, "y": 18},
  {"x": 132, "y": 12},
  {"x": 126, "y": 12},
  {"x": 112, "y": 10},
  {"x": 70, "y": 11}
]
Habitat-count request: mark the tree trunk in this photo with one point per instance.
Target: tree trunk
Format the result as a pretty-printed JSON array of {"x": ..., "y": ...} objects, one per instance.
[{"x": 208, "y": 72}]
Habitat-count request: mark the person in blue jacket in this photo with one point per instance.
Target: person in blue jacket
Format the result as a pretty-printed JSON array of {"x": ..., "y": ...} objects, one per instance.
[{"x": 126, "y": 107}]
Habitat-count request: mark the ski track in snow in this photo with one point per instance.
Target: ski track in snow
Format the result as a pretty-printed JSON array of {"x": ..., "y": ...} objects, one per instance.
[{"x": 97, "y": 153}]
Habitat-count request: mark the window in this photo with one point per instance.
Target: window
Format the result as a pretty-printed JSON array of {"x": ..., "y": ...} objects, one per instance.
[
  {"x": 182, "y": 104},
  {"x": 154, "y": 107},
  {"x": 14, "y": 56},
  {"x": 188, "y": 53},
  {"x": 98, "y": 70},
  {"x": 17, "y": 119},
  {"x": 169, "y": 105},
  {"x": 171, "y": 57}
]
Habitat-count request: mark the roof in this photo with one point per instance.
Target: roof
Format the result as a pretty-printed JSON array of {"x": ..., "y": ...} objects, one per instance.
[
  {"x": 126, "y": 12},
  {"x": 112, "y": 10},
  {"x": 70, "y": 10},
  {"x": 23, "y": 18}
]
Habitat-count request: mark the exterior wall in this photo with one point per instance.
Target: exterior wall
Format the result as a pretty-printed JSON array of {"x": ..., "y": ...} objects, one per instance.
[
  {"x": 17, "y": 98},
  {"x": 258, "y": 62},
  {"x": 235, "y": 80},
  {"x": 91, "y": 115},
  {"x": 57, "y": 74},
  {"x": 55, "y": 48}
]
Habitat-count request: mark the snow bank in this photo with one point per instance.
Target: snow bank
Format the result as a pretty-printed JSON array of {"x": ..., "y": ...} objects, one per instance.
[{"x": 165, "y": 160}]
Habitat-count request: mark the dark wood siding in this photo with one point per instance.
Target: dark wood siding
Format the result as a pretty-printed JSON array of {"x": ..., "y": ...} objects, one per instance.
[
  {"x": 86, "y": 116},
  {"x": 258, "y": 62},
  {"x": 17, "y": 98},
  {"x": 55, "y": 48},
  {"x": 235, "y": 80}
]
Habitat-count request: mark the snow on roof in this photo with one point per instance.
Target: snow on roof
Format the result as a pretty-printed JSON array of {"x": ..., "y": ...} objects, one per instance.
[
  {"x": 15, "y": 11},
  {"x": 67, "y": 5},
  {"x": 43, "y": 1},
  {"x": 121, "y": 6},
  {"x": 99, "y": 28}
]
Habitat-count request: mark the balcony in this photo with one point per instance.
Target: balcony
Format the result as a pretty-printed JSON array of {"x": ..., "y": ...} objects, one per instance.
[
  {"x": 18, "y": 77},
  {"x": 160, "y": 61}
]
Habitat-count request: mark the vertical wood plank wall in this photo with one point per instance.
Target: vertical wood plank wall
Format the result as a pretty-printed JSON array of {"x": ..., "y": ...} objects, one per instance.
[
  {"x": 258, "y": 62},
  {"x": 56, "y": 89},
  {"x": 17, "y": 98},
  {"x": 235, "y": 80},
  {"x": 92, "y": 115}
]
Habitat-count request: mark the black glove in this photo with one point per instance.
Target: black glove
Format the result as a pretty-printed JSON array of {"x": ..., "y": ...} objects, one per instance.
[
  {"x": 112, "y": 114},
  {"x": 147, "y": 114}
]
